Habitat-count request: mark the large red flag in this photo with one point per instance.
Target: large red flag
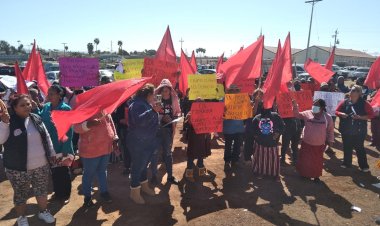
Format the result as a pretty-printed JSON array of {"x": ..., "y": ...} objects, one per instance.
[
  {"x": 246, "y": 64},
  {"x": 219, "y": 64},
  {"x": 193, "y": 61},
  {"x": 105, "y": 98},
  {"x": 21, "y": 85},
  {"x": 186, "y": 69},
  {"x": 166, "y": 50},
  {"x": 273, "y": 82},
  {"x": 373, "y": 77},
  {"x": 317, "y": 71},
  {"x": 330, "y": 61},
  {"x": 375, "y": 103},
  {"x": 287, "y": 70},
  {"x": 34, "y": 70}
]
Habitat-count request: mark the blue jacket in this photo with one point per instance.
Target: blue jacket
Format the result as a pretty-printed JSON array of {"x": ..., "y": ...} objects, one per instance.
[
  {"x": 59, "y": 147},
  {"x": 233, "y": 126},
  {"x": 143, "y": 121}
]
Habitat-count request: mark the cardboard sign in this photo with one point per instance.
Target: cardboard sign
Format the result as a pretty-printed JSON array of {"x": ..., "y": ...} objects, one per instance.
[
  {"x": 203, "y": 86},
  {"x": 220, "y": 91},
  {"x": 246, "y": 86},
  {"x": 238, "y": 106},
  {"x": 207, "y": 117},
  {"x": 77, "y": 72},
  {"x": 132, "y": 69},
  {"x": 159, "y": 70},
  {"x": 332, "y": 100},
  {"x": 284, "y": 102}
]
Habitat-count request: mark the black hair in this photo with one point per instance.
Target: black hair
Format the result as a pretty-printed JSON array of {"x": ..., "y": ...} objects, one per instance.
[
  {"x": 59, "y": 90},
  {"x": 146, "y": 90},
  {"x": 321, "y": 103},
  {"x": 16, "y": 98}
]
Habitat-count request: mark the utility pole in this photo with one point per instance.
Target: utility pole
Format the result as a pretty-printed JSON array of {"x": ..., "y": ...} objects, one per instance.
[
  {"x": 111, "y": 46},
  {"x": 64, "y": 48},
  {"x": 311, "y": 22},
  {"x": 181, "y": 41},
  {"x": 335, "y": 36}
]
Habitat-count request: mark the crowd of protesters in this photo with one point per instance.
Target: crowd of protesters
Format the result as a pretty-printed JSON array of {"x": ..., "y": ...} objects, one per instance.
[{"x": 142, "y": 130}]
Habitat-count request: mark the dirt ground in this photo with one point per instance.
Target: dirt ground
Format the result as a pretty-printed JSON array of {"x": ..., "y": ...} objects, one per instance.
[{"x": 230, "y": 197}]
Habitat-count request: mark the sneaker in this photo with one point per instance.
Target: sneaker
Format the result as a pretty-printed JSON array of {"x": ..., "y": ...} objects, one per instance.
[
  {"x": 22, "y": 221},
  {"x": 46, "y": 216},
  {"x": 88, "y": 202},
  {"x": 106, "y": 197},
  {"x": 365, "y": 170},
  {"x": 172, "y": 180}
]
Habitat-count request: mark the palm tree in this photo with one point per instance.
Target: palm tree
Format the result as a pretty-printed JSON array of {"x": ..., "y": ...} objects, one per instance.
[
  {"x": 90, "y": 48},
  {"x": 96, "y": 41},
  {"x": 120, "y": 44},
  {"x": 66, "y": 48}
]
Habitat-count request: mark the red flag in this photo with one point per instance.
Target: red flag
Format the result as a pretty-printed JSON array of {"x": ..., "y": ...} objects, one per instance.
[
  {"x": 246, "y": 64},
  {"x": 166, "y": 50},
  {"x": 287, "y": 70},
  {"x": 219, "y": 64},
  {"x": 273, "y": 82},
  {"x": 186, "y": 69},
  {"x": 375, "y": 103},
  {"x": 373, "y": 77},
  {"x": 21, "y": 85},
  {"x": 34, "y": 70},
  {"x": 330, "y": 61},
  {"x": 317, "y": 71},
  {"x": 193, "y": 61},
  {"x": 104, "y": 98}
]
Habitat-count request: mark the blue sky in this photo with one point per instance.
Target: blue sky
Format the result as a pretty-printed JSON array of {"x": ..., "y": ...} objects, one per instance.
[{"x": 218, "y": 26}]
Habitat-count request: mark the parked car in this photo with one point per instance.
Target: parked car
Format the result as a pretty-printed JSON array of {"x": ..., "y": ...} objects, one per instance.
[
  {"x": 207, "y": 71},
  {"x": 346, "y": 71},
  {"x": 304, "y": 76},
  {"x": 361, "y": 72},
  {"x": 298, "y": 69},
  {"x": 7, "y": 70},
  {"x": 52, "y": 76},
  {"x": 106, "y": 73}
]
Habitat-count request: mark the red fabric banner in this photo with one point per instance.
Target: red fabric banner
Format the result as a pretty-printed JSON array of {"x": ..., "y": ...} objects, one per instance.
[
  {"x": 193, "y": 62},
  {"x": 375, "y": 103},
  {"x": 165, "y": 51},
  {"x": 186, "y": 69},
  {"x": 219, "y": 64},
  {"x": 284, "y": 102},
  {"x": 373, "y": 77},
  {"x": 318, "y": 72},
  {"x": 207, "y": 117},
  {"x": 330, "y": 61},
  {"x": 158, "y": 70},
  {"x": 287, "y": 69},
  {"x": 21, "y": 85}
]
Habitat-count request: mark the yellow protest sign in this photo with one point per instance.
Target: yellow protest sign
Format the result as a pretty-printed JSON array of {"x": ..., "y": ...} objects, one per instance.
[
  {"x": 132, "y": 69},
  {"x": 220, "y": 91},
  {"x": 203, "y": 86},
  {"x": 238, "y": 106}
]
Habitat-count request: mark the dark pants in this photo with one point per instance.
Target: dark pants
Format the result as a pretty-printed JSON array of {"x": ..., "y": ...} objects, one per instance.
[
  {"x": 190, "y": 163},
  {"x": 61, "y": 181},
  {"x": 232, "y": 147},
  {"x": 165, "y": 142},
  {"x": 356, "y": 142},
  {"x": 124, "y": 147},
  {"x": 248, "y": 146},
  {"x": 294, "y": 137}
]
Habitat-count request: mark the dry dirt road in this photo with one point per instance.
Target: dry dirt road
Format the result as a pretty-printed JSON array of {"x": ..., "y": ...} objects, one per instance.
[{"x": 230, "y": 197}]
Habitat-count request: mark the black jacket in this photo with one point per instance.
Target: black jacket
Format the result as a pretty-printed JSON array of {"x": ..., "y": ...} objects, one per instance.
[
  {"x": 265, "y": 126},
  {"x": 16, "y": 147},
  {"x": 349, "y": 126}
]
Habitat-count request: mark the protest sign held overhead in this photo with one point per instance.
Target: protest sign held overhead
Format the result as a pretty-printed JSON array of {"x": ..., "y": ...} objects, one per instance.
[
  {"x": 131, "y": 69},
  {"x": 159, "y": 70},
  {"x": 220, "y": 91},
  {"x": 207, "y": 117},
  {"x": 332, "y": 100},
  {"x": 304, "y": 100},
  {"x": 238, "y": 106},
  {"x": 77, "y": 72},
  {"x": 203, "y": 86}
]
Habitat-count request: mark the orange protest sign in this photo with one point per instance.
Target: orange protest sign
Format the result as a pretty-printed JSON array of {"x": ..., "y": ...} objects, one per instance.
[
  {"x": 304, "y": 100},
  {"x": 159, "y": 70},
  {"x": 207, "y": 117},
  {"x": 238, "y": 106}
]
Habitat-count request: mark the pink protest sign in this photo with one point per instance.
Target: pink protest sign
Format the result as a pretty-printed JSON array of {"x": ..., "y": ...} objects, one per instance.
[{"x": 77, "y": 72}]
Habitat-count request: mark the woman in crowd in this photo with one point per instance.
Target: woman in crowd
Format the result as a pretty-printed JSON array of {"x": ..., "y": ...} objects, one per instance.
[
  {"x": 233, "y": 131},
  {"x": 341, "y": 86},
  {"x": 143, "y": 126},
  {"x": 170, "y": 111},
  {"x": 97, "y": 139},
  {"x": 267, "y": 128},
  {"x": 198, "y": 147},
  {"x": 27, "y": 152},
  {"x": 61, "y": 172},
  {"x": 318, "y": 131},
  {"x": 354, "y": 112}
]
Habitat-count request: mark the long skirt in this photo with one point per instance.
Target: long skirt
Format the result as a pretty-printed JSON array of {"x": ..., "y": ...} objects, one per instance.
[
  {"x": 310, "y": 160},
  {"x": 266, "y": 161}
]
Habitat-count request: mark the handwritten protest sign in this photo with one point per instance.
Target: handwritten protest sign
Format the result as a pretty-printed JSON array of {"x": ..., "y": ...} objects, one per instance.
[
  {"x": 246, "y": 85},
  {"x": 332, "y": 100},
  {"x": 207, "y": 117},
  {"x": 238, "y": 106},
  {"x": 203, "y": 86},
  {"x": 77, "y": 72},
  {"x": 304, "y": 100},
  {"x": 132, "y": 69},
  {"x": 159, "y": 70},
  {"x": 220, "y": 93}
]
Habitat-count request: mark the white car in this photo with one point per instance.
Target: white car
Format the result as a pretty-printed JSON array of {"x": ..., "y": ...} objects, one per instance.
[{"x": 52, "y": 76}]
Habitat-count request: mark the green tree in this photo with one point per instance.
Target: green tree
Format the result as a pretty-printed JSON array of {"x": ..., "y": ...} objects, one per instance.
[
  {"x": 4, "y": 46},
  {"x": 66, "y": 48},
  {"x": 90, "y": 48},
  {"x": 20, "y": 48},
  {"x": 120, "y": 44},
  {"x": 96, "y": 41},
  {"x": 200, "y": 50}
]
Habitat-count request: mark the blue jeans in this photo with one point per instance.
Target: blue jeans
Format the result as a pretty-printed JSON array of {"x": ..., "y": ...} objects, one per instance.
[
  {"x": 91, "y": 167},
  {"x": 141, "y": 153},
  {"x": 165, "y": 139}
]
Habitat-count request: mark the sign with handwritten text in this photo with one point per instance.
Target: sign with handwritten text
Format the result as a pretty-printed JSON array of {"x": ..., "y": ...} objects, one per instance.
[
  {"x": 203, "y": 86},
  {"x": 207, "y": 117},
  {"x": 304, "y": 100},
  {"x": 238, "y": 106},
  {"x": 159, "y": 70},
  {"x": 332, "y": 100},
  {"x": 77, "y": 72}
]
